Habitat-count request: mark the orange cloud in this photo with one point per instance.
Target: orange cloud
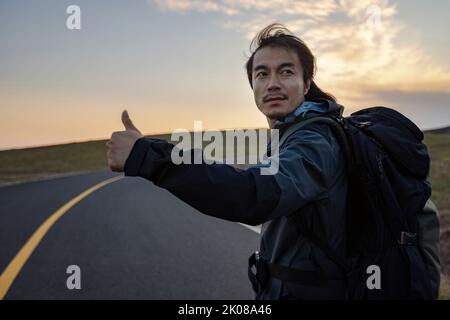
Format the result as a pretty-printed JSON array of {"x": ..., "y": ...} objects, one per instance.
[{"x": 355, "y": 42}]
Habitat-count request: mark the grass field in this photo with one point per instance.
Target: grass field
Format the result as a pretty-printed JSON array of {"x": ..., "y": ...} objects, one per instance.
[
  {"x": 36, "y": 163},
  {"x": 439, "y": 147}
]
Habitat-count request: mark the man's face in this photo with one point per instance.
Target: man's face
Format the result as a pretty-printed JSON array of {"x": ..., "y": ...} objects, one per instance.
[{"x": 278, "y": 84}]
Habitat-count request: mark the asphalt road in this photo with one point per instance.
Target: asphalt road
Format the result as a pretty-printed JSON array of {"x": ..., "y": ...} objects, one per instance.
[{"x": 131, "y": 240}]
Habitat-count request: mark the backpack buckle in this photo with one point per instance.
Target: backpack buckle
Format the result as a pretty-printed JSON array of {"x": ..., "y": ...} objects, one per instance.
[
  {"x": 363, "y": 124},
  {"x": 408, "y": 238},
  {"x": 260, "y": 277}
]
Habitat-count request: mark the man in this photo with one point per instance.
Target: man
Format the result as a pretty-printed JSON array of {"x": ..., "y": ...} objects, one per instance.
[{"x": 310, "y": 181}]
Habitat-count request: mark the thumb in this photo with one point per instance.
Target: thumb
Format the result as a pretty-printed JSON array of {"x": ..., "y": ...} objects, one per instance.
[{"x": 128, "y": 124}]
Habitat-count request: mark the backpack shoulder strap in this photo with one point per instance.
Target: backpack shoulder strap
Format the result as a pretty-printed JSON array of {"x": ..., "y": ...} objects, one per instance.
[
  {"x": 296, "y": 126},
  {"x": 337, "y": 127}
]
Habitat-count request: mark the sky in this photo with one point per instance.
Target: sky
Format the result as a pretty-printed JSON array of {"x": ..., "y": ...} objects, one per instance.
[{"x": 171, "y": 62}]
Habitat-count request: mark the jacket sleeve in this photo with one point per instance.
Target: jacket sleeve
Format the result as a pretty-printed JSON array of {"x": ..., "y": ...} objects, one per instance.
[{"x": 232, "y": 194}]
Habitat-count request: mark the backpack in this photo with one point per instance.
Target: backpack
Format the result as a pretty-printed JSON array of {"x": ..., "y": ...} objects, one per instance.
[{"x": 392, "y": 228}]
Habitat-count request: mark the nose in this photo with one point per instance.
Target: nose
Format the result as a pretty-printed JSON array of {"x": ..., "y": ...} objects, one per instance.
[{"x": 274, "y": 83}]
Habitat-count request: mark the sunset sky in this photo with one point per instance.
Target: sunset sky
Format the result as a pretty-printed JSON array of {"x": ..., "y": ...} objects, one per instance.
[{"x": 170, "y": 62}]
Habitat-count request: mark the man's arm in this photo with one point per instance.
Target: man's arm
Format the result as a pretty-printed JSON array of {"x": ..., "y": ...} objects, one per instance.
[{"x": 245, "y": 196}]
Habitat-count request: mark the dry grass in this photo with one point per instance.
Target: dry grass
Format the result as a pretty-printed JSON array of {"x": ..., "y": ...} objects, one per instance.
[
  {"x": 439, "y": 148},
  {"x": 33, "y": 163}
]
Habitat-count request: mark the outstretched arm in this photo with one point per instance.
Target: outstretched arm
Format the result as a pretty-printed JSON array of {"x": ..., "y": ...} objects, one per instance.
[{"x": 306, "y": 163}]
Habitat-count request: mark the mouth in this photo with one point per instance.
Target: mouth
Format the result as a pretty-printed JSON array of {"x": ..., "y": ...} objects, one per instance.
[{"x": 274, "y": 98}]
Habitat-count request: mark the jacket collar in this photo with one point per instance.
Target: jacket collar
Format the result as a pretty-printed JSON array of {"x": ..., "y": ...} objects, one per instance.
[{"x": 308, "y": 109}]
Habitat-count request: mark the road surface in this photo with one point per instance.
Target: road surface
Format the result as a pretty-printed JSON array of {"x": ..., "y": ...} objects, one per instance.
[{"x": 130, "y": 239}]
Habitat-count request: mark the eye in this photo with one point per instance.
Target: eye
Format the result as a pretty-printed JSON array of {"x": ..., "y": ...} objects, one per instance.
[
  {"x": 287, "y": 71},
  {"x": 260, "y": 74}
]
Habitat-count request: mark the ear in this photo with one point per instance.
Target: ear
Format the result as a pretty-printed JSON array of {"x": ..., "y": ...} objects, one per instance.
[{"x": 307, "y": 86}]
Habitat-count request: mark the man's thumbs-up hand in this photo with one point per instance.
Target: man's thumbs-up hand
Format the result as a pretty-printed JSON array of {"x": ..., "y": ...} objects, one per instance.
[
  {"x": 128, "y": 124},
  {"x": 121, "y": 143}
]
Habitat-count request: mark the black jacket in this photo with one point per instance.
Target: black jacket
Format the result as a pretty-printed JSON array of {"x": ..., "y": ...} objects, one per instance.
[{"x": 311, "y": 178}]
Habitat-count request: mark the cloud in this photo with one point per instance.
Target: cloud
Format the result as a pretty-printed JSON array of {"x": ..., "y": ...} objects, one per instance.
[
  {"x": 319, "y": 8},
  {"x": 356, "y": 42},
  {"x": 195, "y": 5}
]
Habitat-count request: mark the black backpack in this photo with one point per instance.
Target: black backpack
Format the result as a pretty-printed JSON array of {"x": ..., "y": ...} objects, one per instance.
[{"x": 391, "y": 233}]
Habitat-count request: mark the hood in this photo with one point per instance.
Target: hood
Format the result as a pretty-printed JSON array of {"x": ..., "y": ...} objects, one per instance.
[{"x": 308, "y": 109}]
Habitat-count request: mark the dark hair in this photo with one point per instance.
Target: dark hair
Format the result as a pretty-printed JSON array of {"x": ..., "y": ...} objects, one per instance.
[{"x": 277, "y": 35}]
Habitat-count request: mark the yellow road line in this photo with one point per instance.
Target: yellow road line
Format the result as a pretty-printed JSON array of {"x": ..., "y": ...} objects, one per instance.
[{"x": 14, "y": 267}]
